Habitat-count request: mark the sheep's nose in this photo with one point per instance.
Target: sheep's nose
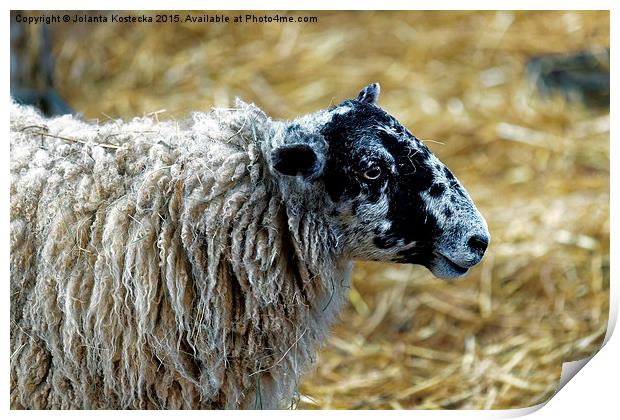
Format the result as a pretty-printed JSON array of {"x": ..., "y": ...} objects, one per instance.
[{"x": 478, "y": 243}]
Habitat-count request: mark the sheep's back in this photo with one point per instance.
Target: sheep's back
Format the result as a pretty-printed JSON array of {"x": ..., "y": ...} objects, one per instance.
[
  {"x": 88, "y": 203},
  {"x": 152, "y": 266}
]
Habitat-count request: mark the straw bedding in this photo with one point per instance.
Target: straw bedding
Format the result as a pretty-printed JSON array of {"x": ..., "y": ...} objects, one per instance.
[{"x": 538, "y": 169}]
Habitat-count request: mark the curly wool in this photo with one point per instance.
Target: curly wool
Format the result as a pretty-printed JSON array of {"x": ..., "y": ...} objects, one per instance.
[{"x": 157, "y": 265}]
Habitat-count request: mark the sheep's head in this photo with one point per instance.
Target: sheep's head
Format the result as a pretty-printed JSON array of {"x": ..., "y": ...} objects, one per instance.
[{"x": 389, "y": 196}]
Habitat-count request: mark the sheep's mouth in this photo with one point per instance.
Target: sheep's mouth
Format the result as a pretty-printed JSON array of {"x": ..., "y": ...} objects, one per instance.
[
  {"x": 455, "y": 266},
  {"x": 444, "y": 267}
]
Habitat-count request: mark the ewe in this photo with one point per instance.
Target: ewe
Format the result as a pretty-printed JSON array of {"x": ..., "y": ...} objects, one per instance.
[{"x": 158, "y": 265}]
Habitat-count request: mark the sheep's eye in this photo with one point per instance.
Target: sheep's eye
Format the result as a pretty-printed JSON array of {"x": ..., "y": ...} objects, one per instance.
[{"x": 373, "y": 173}]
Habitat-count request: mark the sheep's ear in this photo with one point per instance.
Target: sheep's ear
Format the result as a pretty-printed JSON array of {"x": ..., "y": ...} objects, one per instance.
[
  {"x": 370, "y": 93},
  {"x": 295, "y": 159}
]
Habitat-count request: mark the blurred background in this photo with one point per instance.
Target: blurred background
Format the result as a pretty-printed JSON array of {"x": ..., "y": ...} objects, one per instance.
[{"x": 515, "y": 103}]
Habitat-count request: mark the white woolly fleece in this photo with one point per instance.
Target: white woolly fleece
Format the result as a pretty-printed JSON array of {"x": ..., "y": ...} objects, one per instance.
[{"x": 158, "y": 265}]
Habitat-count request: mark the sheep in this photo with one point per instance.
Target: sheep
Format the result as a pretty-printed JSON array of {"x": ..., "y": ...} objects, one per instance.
[{"x": 200, "y": 264}]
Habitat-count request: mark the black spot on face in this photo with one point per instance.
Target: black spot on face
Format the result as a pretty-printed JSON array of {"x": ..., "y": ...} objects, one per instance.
[
  {"x": 452, "y": 181},
  {"x": 418, "y": 255},
  {"x": 437, "y": 190},
  {"x": 343, "y": 133},
  {"x": 410, "y": 221},
  {"x": 447, "y": 212},
  {"x": 459, "y": 190},
  {"x": 351, "y": 138}
]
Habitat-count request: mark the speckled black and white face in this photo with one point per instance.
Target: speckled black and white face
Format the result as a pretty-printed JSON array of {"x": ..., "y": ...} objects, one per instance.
[{"x": 394, "y": 200}]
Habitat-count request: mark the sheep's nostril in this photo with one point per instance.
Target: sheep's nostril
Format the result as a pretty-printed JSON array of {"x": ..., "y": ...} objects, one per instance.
[{"x": 478, "y": 243}]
